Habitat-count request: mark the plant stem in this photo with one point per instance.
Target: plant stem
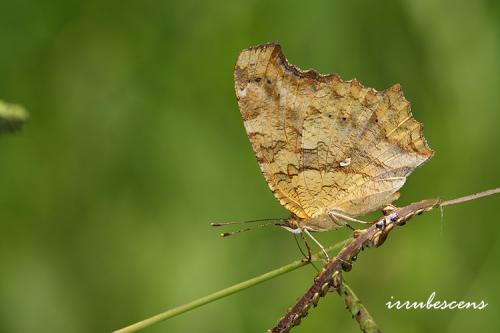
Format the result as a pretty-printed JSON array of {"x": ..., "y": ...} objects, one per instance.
[
  {"x": 470, "y": 197},
  {"x": 373, "y": 236},
  {"x": 225, "y": 292},
  {"x": 358, "y": 310},
  {"x": 370, "y": 234}
]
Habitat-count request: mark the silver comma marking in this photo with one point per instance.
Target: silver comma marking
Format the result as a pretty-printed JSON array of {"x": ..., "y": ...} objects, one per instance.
[{"x": 345, "y": 162}]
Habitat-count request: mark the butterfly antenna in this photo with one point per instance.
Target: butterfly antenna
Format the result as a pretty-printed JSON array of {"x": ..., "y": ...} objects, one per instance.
[
  {"x": 227, "y": 234},
  {"x": 244, "y": 222}
]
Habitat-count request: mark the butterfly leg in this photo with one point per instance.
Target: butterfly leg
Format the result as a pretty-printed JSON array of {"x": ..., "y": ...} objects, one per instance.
[
  {"x": 318, "y": 243},
  {"x": 308, "y": 256},
  {"x": 336, "y": 215},
  {"x": 350, "y": 227},
  {"x": 388, "y": 209}
]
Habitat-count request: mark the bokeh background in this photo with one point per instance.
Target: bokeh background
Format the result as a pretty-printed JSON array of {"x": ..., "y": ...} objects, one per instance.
[{"x": 135, "y": 144}]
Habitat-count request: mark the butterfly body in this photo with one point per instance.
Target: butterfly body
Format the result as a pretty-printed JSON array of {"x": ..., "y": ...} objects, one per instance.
[{"x": 319, "y": 223}]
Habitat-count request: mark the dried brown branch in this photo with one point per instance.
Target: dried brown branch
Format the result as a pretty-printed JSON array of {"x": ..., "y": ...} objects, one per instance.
[
  {"x": 374, "y": 236},
  {"x": 470, "y": 197}
]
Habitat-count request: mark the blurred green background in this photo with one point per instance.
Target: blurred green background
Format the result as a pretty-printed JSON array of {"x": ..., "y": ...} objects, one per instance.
[{"x": 135, "y": 144}]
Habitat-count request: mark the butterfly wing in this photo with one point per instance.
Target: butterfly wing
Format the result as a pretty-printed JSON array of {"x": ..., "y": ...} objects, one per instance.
[
  {"x": 322, "y": 143},
  {"x": 265, "y": 93}
]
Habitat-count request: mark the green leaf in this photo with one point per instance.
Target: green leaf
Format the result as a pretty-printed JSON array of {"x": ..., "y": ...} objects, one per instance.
[{"x": 12, "y": 117}]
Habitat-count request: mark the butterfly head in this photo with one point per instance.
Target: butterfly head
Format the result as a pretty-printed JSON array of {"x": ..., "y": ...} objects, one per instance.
[{"x": 292, "y": 224}]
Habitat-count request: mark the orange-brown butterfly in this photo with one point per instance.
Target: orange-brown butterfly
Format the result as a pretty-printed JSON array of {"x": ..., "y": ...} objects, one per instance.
[{"x": 330, "y": 150}]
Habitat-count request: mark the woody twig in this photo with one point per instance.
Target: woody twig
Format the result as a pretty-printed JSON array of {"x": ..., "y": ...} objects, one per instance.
[{"x": 330, "y": 277}]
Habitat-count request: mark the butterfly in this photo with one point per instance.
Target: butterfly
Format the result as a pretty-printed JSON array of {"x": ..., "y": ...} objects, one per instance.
[{"x": 330, "y": 150}]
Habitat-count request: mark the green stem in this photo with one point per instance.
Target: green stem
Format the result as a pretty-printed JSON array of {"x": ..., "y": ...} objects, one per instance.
[
  {"x": 225, "y": 292},
  {"x": 358, "y": 310}
]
